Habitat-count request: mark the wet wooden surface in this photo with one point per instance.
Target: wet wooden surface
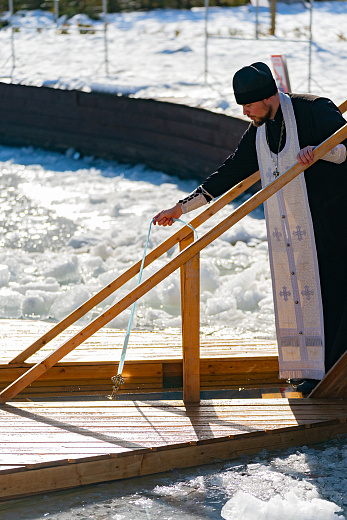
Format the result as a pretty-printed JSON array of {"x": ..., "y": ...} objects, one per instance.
[
  {"x": 106, "y": 344},
  {"x": 47, "y": 445},
  {"x": 334, "y": 384},
  {"x": 153, "y": 361}
]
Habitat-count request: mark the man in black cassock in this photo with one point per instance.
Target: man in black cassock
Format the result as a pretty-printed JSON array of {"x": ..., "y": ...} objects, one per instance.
[{"x": 283, "y": 125}]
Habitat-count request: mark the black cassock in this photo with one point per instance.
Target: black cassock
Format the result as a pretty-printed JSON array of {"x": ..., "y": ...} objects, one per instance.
[{"x": 316, "y": 118}]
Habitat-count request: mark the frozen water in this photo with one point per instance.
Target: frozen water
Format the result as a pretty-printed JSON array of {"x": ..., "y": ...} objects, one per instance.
[
  {"x": 246, "y": 507},
  {"x": 71, "y": 226},
  {"x": 305, "y": 484}
]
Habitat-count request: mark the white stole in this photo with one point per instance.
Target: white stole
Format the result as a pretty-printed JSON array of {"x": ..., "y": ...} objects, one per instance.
[{"x": 293, "y": 260}]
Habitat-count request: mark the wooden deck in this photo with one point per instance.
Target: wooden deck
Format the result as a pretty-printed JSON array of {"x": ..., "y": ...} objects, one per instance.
[
  {"x": 59, "y": 442},
  {"x": 51, "y": 445},
  {"x": 153, "y": 361}
]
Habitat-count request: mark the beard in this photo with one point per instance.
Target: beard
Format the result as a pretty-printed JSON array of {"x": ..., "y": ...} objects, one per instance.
[{"x": 258, "y": 121}]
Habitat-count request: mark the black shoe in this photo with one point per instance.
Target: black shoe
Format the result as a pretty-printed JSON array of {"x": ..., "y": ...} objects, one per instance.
[
  {"x": 295, "y": 382},
  {"x": 307, "y": 385}
]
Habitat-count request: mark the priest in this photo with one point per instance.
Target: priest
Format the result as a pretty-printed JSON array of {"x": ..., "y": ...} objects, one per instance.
[{"x": 305, "y": 219}]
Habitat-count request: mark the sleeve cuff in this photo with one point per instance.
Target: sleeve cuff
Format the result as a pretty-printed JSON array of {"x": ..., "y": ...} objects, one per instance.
[
  {"x": 337, "y": 155},
  {"x": 195, "y": 200}
]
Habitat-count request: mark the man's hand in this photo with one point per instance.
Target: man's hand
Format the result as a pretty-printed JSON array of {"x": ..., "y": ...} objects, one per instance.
[
  {"x": 305, "y": 156},
  {"x": 165, "y": 217}
]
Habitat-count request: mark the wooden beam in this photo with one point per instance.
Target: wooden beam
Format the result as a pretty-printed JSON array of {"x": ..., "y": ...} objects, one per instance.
[
  {"x": 185, "y": 255},
  {"x": 343, "y": 107},
  {"x": 190, "y": 311},
  {"x": 180, "y": 235},
  {"x": 334, "y": 383}
]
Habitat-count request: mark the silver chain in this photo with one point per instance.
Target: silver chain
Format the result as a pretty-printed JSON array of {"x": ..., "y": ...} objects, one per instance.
[{"x": 276, "y": 172}]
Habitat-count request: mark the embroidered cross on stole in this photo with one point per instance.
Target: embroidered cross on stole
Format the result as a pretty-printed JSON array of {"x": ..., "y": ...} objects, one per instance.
[{"x": 293, "y": 260}]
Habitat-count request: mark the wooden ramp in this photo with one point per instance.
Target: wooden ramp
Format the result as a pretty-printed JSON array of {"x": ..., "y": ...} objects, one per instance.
[
  {"x": 154, "y": 362},
  {"x": 334, "y": 384},
  {"x": 51, "y": 445}
]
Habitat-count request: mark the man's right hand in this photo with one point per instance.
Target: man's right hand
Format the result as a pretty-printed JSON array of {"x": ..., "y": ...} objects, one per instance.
[{"x": 165, "y": 217}]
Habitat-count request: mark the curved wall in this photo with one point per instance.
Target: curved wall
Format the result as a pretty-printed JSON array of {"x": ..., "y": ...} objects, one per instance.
[{"x": 177, "y": 139}]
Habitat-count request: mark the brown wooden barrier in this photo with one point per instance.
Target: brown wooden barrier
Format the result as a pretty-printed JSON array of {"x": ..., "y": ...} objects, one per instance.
[{"x": 186, "y": 141}]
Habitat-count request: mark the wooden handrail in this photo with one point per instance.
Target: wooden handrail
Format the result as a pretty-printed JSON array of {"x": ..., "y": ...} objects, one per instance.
[
  {"x": 212, "y": 209},
  {"x": 180, "y": 235},
  {"x": 40, "y": 368},
  {"x": 343, "y": 107}
]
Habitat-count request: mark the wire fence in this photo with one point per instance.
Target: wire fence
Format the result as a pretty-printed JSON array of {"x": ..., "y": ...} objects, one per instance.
[
  {"x": 257, "y": 37},
  {"x": 8, "y": 60},
  {"x": 60, "y": 27}
]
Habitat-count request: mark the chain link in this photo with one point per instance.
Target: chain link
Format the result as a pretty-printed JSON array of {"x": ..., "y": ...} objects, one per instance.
[{"x": 117, "y": 382}]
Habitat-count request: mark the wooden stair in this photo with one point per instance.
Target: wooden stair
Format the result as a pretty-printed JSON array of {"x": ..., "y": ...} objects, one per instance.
[{"x": 154, "y": 362}]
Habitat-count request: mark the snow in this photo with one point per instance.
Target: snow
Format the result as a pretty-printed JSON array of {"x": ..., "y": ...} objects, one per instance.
[
  {"x": 170, "y": 60},
  {"x": 247, "y": 507}
]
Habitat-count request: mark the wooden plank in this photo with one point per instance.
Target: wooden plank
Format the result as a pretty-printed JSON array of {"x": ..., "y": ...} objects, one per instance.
[
  {"x": 139, "y": 371},
  {"x": 146, "y": 375},
  {"x": 334, "y": 383},
  {"x": 105, "y": 346},
  {"x": 190, "y": 310},
  {"x": 77, "y": 380},
  {"x": 68, "y": 444}
]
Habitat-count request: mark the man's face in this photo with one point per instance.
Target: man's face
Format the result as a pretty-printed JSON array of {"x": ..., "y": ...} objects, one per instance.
[{"x": 259, "y": 111}]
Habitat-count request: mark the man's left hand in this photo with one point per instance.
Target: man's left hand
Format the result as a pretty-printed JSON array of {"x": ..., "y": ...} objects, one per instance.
[{"x": 305, "y": 156}]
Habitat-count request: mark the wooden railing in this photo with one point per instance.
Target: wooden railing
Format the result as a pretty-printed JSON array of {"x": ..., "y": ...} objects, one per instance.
[{"x": 188, "y": 261}]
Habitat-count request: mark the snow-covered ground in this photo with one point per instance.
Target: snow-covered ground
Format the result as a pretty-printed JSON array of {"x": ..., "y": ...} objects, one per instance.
[
  {"x": 69, "y": 226},
  {"x": 162, "y": 53}
]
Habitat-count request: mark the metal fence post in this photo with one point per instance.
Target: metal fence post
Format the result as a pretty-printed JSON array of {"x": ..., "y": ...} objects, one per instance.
[
  {"x": 104, "y": 8},
  {"x": 206, "y": 39},
  {"x": 310, "y": 49},
  {"x": 56, "y": 11},
  {"x": 10, "y": 5}
]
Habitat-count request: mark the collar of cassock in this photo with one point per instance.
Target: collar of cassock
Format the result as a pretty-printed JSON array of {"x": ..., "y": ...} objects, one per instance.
[{"x": 273, "y": 128}]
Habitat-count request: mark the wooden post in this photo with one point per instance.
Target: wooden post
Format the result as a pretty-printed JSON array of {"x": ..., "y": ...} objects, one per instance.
[
  {"x": 190, "y": 310},
  {"x": 273, "y": 17}
]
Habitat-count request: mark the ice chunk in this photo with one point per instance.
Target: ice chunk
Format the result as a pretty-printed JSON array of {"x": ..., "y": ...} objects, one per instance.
[
  {"x": 10, "y": 304},
  {"x": 4, "y": 275},
  {"x": 47, "y": 285},
  {"x": 209, "y": 276},
  {"x": 244, "y": 506},
  {"x": 64, "y": 269},
  {"x": 36, "y": 304},
  {"x": 68, "y": 301}
]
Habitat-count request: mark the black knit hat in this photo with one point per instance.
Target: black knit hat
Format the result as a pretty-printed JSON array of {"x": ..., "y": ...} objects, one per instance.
[{"x": 253, "y": 83}]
